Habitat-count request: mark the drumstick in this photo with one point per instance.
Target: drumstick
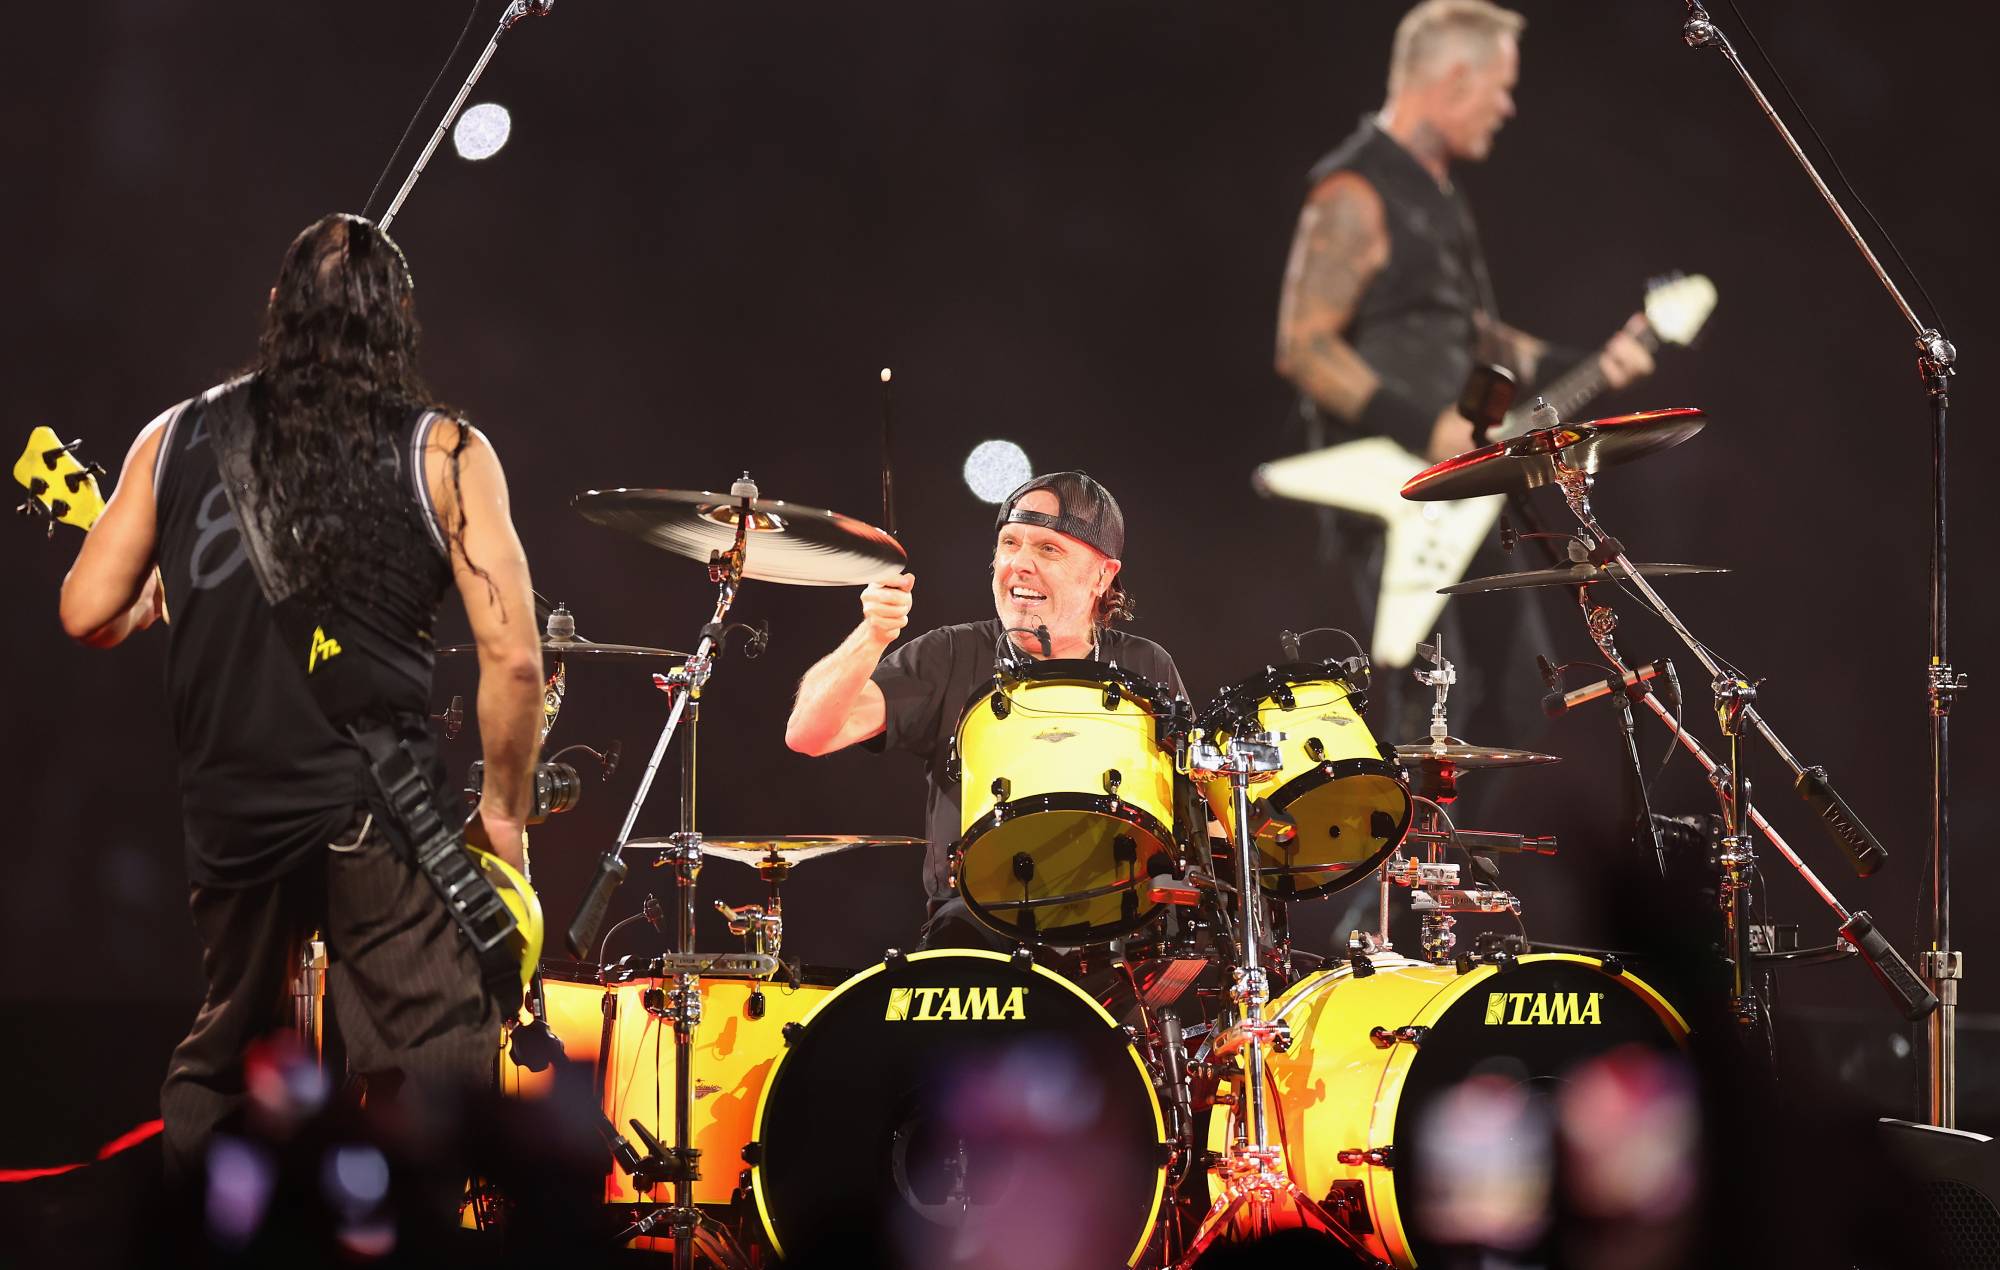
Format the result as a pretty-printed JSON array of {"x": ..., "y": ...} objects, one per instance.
[{"x": 888, "y": 480}]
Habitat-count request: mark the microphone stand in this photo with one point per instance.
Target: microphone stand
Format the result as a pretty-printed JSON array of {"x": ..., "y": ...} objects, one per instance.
[
  {"x": 1943, "y": 966},
  {"x": 515, "y": 12}
]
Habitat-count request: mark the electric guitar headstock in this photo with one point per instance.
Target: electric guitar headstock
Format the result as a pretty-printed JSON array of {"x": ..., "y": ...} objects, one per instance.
[
  {"x": 61, "y": 484},
  {"x": 1678, "y": 305}
]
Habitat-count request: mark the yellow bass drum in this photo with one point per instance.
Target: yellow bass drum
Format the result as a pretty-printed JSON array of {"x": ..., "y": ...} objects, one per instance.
[
  {"x": 1342, "y": 793},
  {"x": 964, "y": 1109},
  {"x": 1379, "y": 1069},
  {"x": 1067, "y": 801}
]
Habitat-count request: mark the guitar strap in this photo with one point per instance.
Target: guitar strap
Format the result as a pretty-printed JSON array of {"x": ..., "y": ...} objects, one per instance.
[{"x": 339, "y": 688}]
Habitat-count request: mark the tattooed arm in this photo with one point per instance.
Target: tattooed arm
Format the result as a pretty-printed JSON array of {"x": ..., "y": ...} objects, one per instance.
[{"x": 1341, "y": 244}]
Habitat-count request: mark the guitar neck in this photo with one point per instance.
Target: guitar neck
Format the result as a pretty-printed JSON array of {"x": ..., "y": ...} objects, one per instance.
[{"x": 1571, "y": 391}]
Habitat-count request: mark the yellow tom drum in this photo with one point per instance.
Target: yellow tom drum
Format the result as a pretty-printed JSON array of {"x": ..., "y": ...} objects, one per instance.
[
  {"x": 1340, "y": 802},
  {"x": 1067, "y": 801},
  {"x": 1401, "y": 1073}
]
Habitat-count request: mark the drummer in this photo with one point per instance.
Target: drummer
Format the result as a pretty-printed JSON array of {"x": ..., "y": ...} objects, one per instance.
[{"x": 1058, "y": 554}]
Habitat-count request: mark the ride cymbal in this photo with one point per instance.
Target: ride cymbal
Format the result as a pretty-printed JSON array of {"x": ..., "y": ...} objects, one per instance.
[
  {"x": 1580, "y": 574},
  {"x": 1528, "y": 461},
  {"x": 787, "y": 542}
]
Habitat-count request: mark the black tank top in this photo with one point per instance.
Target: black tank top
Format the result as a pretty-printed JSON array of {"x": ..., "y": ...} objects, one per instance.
[
  {"x": 265, "y": 778},
  {"x": 1415, "y": 326}
]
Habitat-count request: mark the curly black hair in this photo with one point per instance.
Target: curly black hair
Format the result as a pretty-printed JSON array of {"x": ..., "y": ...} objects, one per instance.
[{"x": 334, "y": 385}]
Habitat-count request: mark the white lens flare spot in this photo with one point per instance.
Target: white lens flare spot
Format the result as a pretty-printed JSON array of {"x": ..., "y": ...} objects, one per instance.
[
  {"x": 482, "y": 130},
  {"x": 996, "y": 469}
]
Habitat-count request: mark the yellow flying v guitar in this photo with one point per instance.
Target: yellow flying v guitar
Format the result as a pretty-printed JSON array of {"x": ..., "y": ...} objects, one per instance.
[
  {"x": 1429, "y": 545},
  {"x": 62, "y": 487}
]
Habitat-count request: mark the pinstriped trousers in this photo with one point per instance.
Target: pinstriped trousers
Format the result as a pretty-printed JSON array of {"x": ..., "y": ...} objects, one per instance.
[{"x": 404, "y": 983}]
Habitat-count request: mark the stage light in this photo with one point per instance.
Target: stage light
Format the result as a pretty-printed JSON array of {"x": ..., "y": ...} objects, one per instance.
[
  {"x": 482, "y": 130},
  {"x": 996, "y": 469}
]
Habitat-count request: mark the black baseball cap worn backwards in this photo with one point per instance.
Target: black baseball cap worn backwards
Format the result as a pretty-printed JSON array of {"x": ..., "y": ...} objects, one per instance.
[{"x": 1085, "y": 511}]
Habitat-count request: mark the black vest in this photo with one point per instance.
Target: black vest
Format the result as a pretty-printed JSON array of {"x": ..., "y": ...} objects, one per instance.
[
  {"x": 1415, "y": 325},
  {"x": 265, "y": 778}
]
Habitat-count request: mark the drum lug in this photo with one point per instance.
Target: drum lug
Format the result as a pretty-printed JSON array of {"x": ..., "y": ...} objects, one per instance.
[
  {"x": 1022, "y": 958},
  {"x": 1001, "y": 706},
  {"x": 792, "y": 1032},
  {"x": 1384, "y": 1038},
  {"x": 1316, "y": 750},
  {"x": 1374, "y": 1157},
  {"x": 1348, "y": 1199},
  {"x": 895, "y": 958},
  {"x": 1113, "y": 778},
  {"x": 1614, "y": 964},
  {"x": 1112, "y": 695},
  {"x": 1285, "y": 698},
  {"x": 753, "y": 1153}
]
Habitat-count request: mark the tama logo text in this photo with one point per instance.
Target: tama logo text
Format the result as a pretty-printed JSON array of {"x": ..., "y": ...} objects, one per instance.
[
  {"x": 323, "y": 649},
  {"x": 934, "y": 1005},
  {"x": 1544, "y": 1008}
]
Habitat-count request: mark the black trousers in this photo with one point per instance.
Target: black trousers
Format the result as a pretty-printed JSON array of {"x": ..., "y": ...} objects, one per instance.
[{"x": 404, "y": 984}]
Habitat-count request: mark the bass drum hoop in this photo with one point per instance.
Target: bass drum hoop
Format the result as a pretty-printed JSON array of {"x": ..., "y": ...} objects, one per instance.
[
  {"x": 1035, "y": 804},
  {"x": 757, "y": 1130},
  {"x": 1384, "y": 1206},
  {"x": 1325, "y": 774}
]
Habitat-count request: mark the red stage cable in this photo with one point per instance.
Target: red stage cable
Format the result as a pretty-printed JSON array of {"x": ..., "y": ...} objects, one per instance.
[{"x": 130, "y": 1138}]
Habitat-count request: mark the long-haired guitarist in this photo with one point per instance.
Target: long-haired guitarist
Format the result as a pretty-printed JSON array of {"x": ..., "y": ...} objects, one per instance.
[
  {"x": 1386, "y": 304},
  {"x": 373, "y": 503}
]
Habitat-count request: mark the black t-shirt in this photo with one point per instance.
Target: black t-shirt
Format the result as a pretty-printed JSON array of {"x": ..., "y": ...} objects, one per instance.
[
  {"x": 926, "y": 684},
  {"x": 265, "y": 778}
]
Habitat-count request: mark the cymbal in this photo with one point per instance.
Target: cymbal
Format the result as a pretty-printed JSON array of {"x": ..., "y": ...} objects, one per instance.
[
  {"x": 587, "y": 649},
  {"x": 1580, "y": 574},
  {"x": 1528, "y": 461},
  {"x": 787, "y": 542},
  {"x": 1470, "y": 758},
  {"x": 792, "y": 848}
]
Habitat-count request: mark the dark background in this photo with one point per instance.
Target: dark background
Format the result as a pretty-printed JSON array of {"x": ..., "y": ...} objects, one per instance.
[{"x": 1062, "y": 224}]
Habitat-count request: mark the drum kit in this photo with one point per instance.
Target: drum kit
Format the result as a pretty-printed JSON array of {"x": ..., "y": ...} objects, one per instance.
[{"x": 1143, "y": 1064}]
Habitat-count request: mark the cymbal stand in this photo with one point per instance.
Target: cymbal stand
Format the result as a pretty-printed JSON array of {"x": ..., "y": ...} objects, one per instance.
[
  {"x": 1737, "y": 714},
  {"x": 693, "y": 1230},
  {"x": 1252, "y": 1172},
  {"x": 1936, "y": 364}
]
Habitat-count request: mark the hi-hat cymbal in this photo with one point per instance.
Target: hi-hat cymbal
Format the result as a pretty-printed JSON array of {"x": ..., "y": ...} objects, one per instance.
[
  {"x": 792, "y": 848},
  {"x": 588, "y": 650},
  {"x": 1528, "y": 461},
  {"x": 1470, "y": 758},
  {"x": 787, "y": 542},
  {"x": 1581, "y": 574}
]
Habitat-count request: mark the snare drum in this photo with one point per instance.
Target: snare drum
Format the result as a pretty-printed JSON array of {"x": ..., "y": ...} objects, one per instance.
[
  {"x": 1340, "y": 802},
  {"x": 966, "y": 1108},
  {"x": 1067, "y": 802},
  {"x": 1402, "y": 1070}
]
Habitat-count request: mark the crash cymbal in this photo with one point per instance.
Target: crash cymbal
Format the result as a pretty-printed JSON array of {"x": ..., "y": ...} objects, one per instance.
[
  {"x": 787, "y": 542},
  {"x": 1582, "y": 574},
  {"x": 585, "y": 649},
  {"x": 1470, "y": 758},
  {"x": 1528, "y": 461},
  {"x": 792, "y": 848}
]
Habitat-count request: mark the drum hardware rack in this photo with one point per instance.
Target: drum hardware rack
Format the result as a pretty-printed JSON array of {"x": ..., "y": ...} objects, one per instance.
[
  {"x": 1737, "y": 715},
  {"x": 1251, "y": 1172}
]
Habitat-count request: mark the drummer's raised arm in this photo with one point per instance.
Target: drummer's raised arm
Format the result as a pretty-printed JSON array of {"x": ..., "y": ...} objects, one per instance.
[{"x": 838, "y": 704}]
